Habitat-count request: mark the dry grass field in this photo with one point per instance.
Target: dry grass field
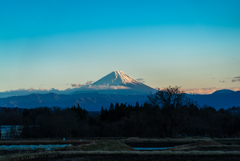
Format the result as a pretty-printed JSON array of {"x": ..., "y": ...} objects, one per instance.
[{"x": 119, "y": 149}]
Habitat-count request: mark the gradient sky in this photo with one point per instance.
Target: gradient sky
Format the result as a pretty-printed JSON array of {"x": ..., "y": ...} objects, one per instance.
[{"x": 56, "y": 43}]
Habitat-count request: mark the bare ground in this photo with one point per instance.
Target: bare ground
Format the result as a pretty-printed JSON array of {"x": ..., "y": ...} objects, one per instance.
[{"x": 115, "y": 150}]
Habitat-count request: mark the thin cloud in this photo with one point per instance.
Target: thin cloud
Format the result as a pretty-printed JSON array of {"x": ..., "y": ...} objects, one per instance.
[
  {"x": 22, "y": 91},
  {"x": 81, "y": 85},
  {"x": 236, "y": 79},
  {"x": 140, "y": 79},
  {"x": 89, "y": 82},
  {"x": 222, "y": 81},
  {"x": 208, "y": 90},
  {"x": 159, "y": 88},
  {"x": 74, "y": 85},
  {"x": 101, "y": 87},
  {"x": 77, "y": 85}
]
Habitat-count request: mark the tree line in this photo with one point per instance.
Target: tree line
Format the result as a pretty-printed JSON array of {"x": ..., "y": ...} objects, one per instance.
[{"x": 168, "y": 113}]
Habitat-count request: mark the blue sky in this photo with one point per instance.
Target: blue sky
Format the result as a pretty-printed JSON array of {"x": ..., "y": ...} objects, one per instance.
[{"x": 52, "y": 44}]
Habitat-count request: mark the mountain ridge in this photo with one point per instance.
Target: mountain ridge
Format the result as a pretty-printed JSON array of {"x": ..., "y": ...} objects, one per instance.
[
  {"x": 94, "y": 101},
  {"x": 124, "y": 85},
  {"x": 116, "y": 78},
  {"x": 116, "y": 82},
  {"x": 89, "y": 101}
]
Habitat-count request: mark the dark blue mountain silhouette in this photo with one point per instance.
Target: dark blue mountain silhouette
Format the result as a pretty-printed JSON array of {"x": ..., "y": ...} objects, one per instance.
[
  {"x": 219, "y": 99},
  {"x": 94, "y": 101}
]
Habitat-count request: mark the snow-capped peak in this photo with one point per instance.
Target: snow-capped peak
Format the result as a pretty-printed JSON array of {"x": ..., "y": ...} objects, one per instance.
[
  {"x": 116, "y": 78},
  {"x": 121, "y": 79}
]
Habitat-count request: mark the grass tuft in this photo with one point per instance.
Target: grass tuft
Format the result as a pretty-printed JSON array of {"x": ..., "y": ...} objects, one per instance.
[{"x": 111, "y": 145}]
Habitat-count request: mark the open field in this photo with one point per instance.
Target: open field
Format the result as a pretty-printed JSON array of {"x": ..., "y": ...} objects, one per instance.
[
  {"x": 125, "y": 155},
  {"x": 119, "y": 149},
  {"x": 44, "y": 142}
]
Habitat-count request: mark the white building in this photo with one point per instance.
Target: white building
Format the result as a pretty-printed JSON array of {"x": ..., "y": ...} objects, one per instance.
[{"x": 10, "y": 131}]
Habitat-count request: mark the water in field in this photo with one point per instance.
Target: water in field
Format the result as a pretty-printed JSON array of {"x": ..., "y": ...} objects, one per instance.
[
  {"x": 33, "y": 147},
  {"x": 150, "y": 148}
]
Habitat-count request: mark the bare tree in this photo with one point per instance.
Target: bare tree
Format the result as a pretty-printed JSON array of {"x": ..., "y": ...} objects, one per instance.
[
  {"x": 170, "y": 100},
  {"x": 168, "y": 97}
]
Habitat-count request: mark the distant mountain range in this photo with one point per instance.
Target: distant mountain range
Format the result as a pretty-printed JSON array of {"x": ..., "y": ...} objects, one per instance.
[
  {"x": 117, "y": 82},
  {"x": 114, "y": 87},
  {"x": 219, "y": 99},
  {"x": 89, "y": 101}
]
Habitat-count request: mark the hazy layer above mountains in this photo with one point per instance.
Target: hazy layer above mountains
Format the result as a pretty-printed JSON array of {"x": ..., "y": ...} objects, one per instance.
[
  {"x": 117, "y": 82},
  {"x": 114, "y": 87}
]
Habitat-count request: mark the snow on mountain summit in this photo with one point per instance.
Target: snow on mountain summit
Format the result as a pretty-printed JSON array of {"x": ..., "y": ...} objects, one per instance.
[
  {"x": 117, "y": 82},
  {"x": 116, "y": 78},
  {"x": 121, "y": 79}
]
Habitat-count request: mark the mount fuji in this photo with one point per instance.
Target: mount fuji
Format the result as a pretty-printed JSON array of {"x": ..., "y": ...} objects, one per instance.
[
  {"x": 118, "y": 82},
  {"x": 114, "y": 87},
  {"x": 117, "y": 78}
]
